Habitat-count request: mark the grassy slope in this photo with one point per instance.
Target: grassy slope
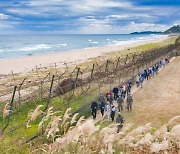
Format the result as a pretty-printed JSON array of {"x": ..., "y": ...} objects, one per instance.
[{"x": 12, "y": 139}]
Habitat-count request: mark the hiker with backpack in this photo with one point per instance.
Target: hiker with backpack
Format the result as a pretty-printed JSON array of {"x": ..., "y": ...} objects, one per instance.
[
  {"x": 115, "y": 91},
  {"x": 120, "y": 103},
  {"x": 94, "y": 107},
  {"x": 113, "y": 111},
  {"x": 119, "y": 121},
  {"x": 129, "y": 102}
]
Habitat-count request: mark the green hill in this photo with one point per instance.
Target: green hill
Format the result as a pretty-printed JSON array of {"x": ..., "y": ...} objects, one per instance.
[{"x": 174, "y": 29}]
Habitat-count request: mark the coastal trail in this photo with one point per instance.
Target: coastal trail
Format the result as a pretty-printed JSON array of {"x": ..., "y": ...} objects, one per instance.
[{"x": 158, "y": 100}]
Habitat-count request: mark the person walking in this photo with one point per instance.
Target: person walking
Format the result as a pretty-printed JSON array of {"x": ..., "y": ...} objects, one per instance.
[
  {"x": 113, "y": 111},
  {"x": 115, "y": 91},
  {"x": 119, "y": 121},
  {"x": 102, "y": 98},
  {"x": 120, "y": 103},
  {"x": 141, "y": 80},
  {"x": 157, "y": 69},
  {"x": 109, "y": 97},
  {"x": 137, "y": 80},
  {"x": 129, "y": 102},
  {"x": 102, "y": 108},
  {"x": 102, "y": 104},
  {"x": 94, "y": 107},
  {"x": 129, "y": 86},
  {"x": 108, "y": 109},
  {"x": 108, "y": 94}
]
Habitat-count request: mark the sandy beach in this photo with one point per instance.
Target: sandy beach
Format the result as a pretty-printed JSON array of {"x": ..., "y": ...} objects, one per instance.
[{"x": 20, "y": 65}]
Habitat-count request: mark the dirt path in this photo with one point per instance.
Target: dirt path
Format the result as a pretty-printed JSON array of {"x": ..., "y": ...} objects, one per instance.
[{"x": 159, "y": 100}]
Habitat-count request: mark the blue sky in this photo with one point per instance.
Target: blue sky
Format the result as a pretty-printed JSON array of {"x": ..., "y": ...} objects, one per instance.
[{"x": 87, "y": 16}]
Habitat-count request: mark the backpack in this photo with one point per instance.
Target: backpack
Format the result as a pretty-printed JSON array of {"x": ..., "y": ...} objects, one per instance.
[{"x": 113, "y": 109}]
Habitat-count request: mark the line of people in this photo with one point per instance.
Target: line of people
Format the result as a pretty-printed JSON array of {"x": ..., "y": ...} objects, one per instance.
[
  {"x": 150, "y": 72},
  {"x": 106, "y": 103},
  {"x": 122, "y": 94}
]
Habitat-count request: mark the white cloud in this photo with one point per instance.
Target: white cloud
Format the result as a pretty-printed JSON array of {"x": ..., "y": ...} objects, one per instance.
[
  {"x": 70, "y": 7},
  {"x": 129, "y": 16},
  {"x": 132, "y": 26},
  {"x": 45, "y": 3},
  {"x": 3, "y": 16},
  {"x": 88, "y": 16},
  {"x": 96, "y": 27}
]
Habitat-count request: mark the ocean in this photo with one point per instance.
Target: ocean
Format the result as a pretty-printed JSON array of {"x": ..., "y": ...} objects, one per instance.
[{"x": 23, "y": 46}]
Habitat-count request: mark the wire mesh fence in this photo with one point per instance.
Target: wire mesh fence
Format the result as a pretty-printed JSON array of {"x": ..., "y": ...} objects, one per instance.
[
  {"x": 85, "y": 82},
  {"x": 78, "y": 86}
]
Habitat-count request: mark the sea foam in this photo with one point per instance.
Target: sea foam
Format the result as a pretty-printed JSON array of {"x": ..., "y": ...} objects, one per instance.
[{"x": 35, "y": 47}]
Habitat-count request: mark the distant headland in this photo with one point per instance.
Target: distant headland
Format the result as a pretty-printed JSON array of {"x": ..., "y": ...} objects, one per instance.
[
  {"x": 173, "y": 30},
  {"x": 147, "y": 32}
]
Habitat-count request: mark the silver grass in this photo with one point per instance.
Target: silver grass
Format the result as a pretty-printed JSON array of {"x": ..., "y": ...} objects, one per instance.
[
  {"x": 46, "y": 118},
  {"x": 33, "y": 114},
  {"x": 7, "y": 110},
  {"x": 73, "y": 120},
  {"x": 52, "y": 127},
  {"x": 66, "y": 116}
]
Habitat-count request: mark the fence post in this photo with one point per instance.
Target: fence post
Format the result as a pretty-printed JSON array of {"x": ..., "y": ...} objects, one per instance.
[
  {"x": 106, "y": 69},
  {"x": 119, "y": 78},
  {"x": 117, "y": 64},
  {"x": 11, "y": 105},
  {"x": 13, "y": 78},
  {"x": 110, "y": 86},
  {"x": 92, "y": 71},
  {"x": 85, "y": 99},
  {"x": 50, "y": 91},
  {"x": 55, "y": 68},
  {"x": 20, "y": 85},
  {"x": 99, "y": 89},
  {"x": 133, "y": 72},
  {"x": 41, "y": 86}
]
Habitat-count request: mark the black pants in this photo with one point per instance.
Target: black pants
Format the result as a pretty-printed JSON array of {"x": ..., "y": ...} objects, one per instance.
[
  {"x": 119, "y": 126},
  {"x": 147, "y": 77},
  {"x": 129, "y": 90},
  {"x": 94, "y": 113},
  {"x": 112, "y": 115},
  {"x": 102, "y": 111}
]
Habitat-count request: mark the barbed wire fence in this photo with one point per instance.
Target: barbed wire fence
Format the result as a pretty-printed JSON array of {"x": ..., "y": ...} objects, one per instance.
[{"x": 83, "y": 83}]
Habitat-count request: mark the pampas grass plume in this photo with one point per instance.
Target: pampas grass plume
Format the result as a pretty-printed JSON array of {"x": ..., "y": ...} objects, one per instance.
[{"x": 6, "y": 111}]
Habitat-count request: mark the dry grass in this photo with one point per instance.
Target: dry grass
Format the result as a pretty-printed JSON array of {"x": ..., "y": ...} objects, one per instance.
[
  {"x": 6, "y": 110},
  {"x": 33, "y": 114}
]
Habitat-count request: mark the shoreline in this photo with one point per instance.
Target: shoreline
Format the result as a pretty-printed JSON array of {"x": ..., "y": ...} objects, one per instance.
[{"x": 25, "y": 64}]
